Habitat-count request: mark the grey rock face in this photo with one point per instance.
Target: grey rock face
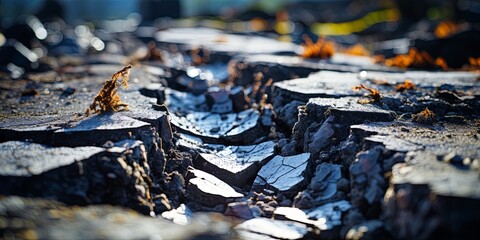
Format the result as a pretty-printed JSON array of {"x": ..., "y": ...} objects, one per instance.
[
  {"x": 366, "y": 178},
  {"x": 324, "y": 121},
  {"x": 323, "y": 187}
]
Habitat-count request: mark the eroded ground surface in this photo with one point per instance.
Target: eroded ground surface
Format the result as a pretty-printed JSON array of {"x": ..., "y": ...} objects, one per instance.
[{"x": 238, "y": 142}]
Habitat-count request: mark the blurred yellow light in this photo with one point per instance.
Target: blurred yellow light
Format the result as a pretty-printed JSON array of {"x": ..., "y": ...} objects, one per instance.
[{"x": 388, "y": 15}]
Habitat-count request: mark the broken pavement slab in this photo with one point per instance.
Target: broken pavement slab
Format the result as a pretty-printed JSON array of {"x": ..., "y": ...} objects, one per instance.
[
  {"x": 45, "y": 219},
  {"x": 232, "y": 128},
  {"x": 424, "y": 168},
  {"x": 323, "y": 118},
  {"x": 23, "y": 159},
  {"x": 462, "y": 139},
  {"x": 207, "y": 192},
  {"x": 325, "y": 84},
  {"x": 236, "y": 165},
  {"x": 81, "y": 175},
  {"x": 426, "y": 79},
  {"x": 283, "y": 67},
  {"x": 431, "y": 198},
  {"x": 264, "y": 228},
  {"x": 283, "y": 174},
  {"x": 37, "y": 117},
  {"x": 347, "y": 110},
  {"x": 220, "y": 42},
  {"x": 98, "y": 129}
]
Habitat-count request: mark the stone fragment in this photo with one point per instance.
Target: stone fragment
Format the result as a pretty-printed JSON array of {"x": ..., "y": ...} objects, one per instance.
[
  {"x": 330, "y": 212},
  {"x": 283, "y": 174},
  {"x": 366, "y": 178},
  {"x": 239, "y": 100},
  {"x": 206, "y": 192},
  {"x": 264, "y": 228},
  {"x": 219, "y": 101},
  {"x": 236, "y": 165},
  {"x": 181, "y": 215},
  {"x": 322, "y": 138},
  {"x": 240, "y": 210},
  {"x": 372, "y": 229},
  {"x": 288, "y": 113},
  {"x": 324, "y": 217},
  {"x": 322, "y": 187},
  {"x": 45, "y": 219},
  {"x": 184, "y": 102}
]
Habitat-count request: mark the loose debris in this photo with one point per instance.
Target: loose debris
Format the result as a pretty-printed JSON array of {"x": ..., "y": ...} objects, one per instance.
[
  {"x": 426, "y": 117},
  {"x": 108, "y": 98},
  {"x": 321, "y": 49},
  {"x": 373, "y": 96},
  {"x": 357, "y": 50},
  {"x": 446, "y": 29},
  {"x": 329, "y": 179},
  {"x": 474, "y": 63},
  {"x": 413, "y": 59},
  {"x": 407, "y": 85},
  {"x": 154, "y": 53}
]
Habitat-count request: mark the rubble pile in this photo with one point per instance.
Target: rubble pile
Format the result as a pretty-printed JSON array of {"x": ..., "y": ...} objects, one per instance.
[{"x": 233, "y": 136}]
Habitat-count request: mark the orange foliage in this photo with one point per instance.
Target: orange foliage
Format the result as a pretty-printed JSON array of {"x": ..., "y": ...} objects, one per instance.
[
  {"x": 358, "y": 50},
  {"x": 446, "y": 28},
  {"x": 474, "y": 62},
  {"x": 413, "y": 58},
  {"x": 154, "y": 52},
  {"x": 441, "y": 63},
  {"x": 320, "y": 49},
  {"x": 416, "y": 59},
  {"x": 426, "y": 116},
  {"x": 107, "y": 98},
  {"x": 407, "y": 85},
  {"x": 200, "y": 56},
  {"x": 373, "y": 96}
]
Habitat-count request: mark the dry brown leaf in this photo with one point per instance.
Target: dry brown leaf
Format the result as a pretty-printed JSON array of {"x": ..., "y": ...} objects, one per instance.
[{"x": 107, "y": 98}]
